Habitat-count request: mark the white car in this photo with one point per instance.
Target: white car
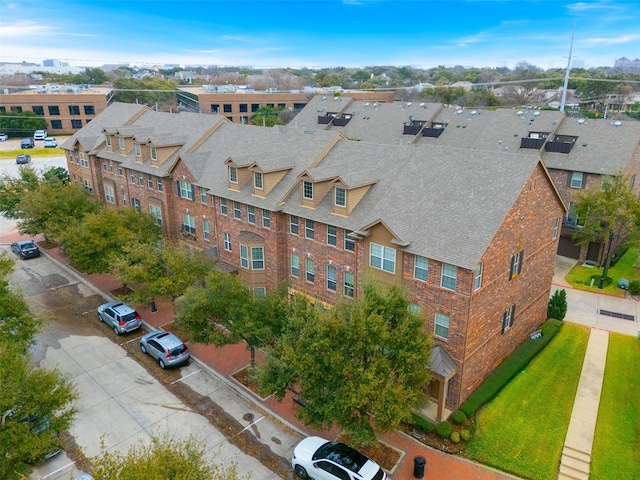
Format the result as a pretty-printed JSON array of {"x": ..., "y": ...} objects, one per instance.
[
  {"x": 320, "y": 459},
  {"x": 50, "y": 142},
  {"x": 4, "y": 137},
  {"x": 40, "y": 135}
]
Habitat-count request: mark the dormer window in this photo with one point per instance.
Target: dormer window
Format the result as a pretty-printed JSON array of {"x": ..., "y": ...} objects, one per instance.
[
  {"x": 108, "y": 138},
  {"x": 257, "y": 180},
  {"x": 307, "y": 190},
  {"x": 154, "y": 154},
  {"x": 121, "y": 143},
  {"x": 138, "y": 150},
  {"x": 340, "y": 197},
  {"x": 233, "y": 174}
]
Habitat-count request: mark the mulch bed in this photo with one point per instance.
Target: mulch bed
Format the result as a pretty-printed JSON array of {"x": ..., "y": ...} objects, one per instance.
[
  {"x": 47, "y": 244},
  {"x": 384, "y": 455},
  {"x": 243, "y": 377},
  {"x": 121, "y": 292},
  {"x": 436, "y": 441}
]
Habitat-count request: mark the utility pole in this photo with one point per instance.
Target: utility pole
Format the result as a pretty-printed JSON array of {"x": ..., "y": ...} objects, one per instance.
[{"x": 566, "y": 75}]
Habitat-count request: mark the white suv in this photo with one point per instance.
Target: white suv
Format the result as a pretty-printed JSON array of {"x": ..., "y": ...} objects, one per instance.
[{"x": 40, "y": 135}]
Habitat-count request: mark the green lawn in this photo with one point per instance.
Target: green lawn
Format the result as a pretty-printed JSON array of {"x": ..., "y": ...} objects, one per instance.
[
  {"x": 616, "y": 447},
  {"x": 580, "y": 277},
  {"x": 34, "y": 152},
  {"x": 522, "y": 430}
]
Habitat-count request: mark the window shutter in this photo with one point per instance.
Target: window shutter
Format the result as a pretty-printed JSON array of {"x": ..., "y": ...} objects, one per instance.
[
  {"x": 504, "y": 318},
  {"x": 569, "y": 177},
  {"x": 520, "y": 262},
  {"x": 178, "y": 187},
  {"x": 513, "y": 260},
  {"x": 513, "y": 314},
  {"x": 193, "y": 192}
]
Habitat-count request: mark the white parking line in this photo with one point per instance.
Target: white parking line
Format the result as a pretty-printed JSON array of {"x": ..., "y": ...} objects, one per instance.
[{"x": 186, "y": 376}]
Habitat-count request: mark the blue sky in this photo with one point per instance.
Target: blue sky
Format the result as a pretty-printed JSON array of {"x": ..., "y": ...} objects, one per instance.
[{"x": 309, "y": 33}]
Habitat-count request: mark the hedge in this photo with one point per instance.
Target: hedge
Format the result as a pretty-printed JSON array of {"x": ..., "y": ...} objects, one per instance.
[
  {"x": 424, "y": 425},
  {"x": 513, "y": 365}
]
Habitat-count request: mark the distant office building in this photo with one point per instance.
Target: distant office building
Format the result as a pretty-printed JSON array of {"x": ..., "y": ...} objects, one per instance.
[
  {"x": 627, "y": 65},
  {"x": 54, "y": 63}
]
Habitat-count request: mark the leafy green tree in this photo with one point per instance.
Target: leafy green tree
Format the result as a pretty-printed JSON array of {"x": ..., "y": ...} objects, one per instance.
[
  {"x": 361, "y": 364},
  {"x": 224, "y": 311},
  {"x": 159, "y": 270},
  {"x": 13, "y": 189},
  {"x": 161, "y": 459},
  {"x": 148, "y": 91},
  {"x": 557, "y": 305},
  {"x": 101, "y": 236},
  {"x": 54, "y": 206},
  {"x": 95, "y": 76},
  {"x": 21, "y": 124},
  {"x": 267, "y": 117},
  {"x": 60, "y": 173},
  {"x": 609, "y": 212}
]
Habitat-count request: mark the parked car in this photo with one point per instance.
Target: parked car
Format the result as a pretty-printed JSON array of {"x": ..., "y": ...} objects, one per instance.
[
  {"x": 25, "y": 249},
  {"x": 39, "y": 425},
  {"x": 27, "y": 143},
  {"x": 40, "y": 135},
  {"x": 23, "y": 158},
  {"x": 4, "y": 137},
  {"x": 120, "y": 316},
  {"x": 50, "y": 142},
  {"x": 320, "y": 459},
  {"x": 165, "y": 347}
]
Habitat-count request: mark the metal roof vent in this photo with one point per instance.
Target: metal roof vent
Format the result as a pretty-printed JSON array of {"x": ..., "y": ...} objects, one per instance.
[
  {"x": 520, "y": 113},
  {"x": 617, "y": 123},
  {"x": 536, "y": 114},
  {"x": 582, "y": 121}
]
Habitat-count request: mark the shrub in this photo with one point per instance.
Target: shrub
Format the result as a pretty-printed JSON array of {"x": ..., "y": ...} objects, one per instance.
[
  {"x": 465, "y": 435},
  {"x": 634, "y": 287},
  {"x": 618, "y": 254},
  {"x": 459, "y": 417},
  {"x": 514, "y": 364},
  {"x": 557, "y": 305},
  {"x": 424, "y": 425},
  {"x": 455, "y": 437},
  {"x": 444, "y": 429}
]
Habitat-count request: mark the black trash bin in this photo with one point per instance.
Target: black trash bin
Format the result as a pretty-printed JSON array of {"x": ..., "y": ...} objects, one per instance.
[{"x": 418, "y": 466}]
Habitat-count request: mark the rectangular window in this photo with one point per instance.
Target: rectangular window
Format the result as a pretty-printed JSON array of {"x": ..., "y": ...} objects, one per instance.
[
  {"x": 16, "y": 109},
  {"x": 331, "y": 278},
  {"x": 135, "y": 203},
  {"x": 54, "y": 110},
  {"x": 233, "y": 174},
  {"x": 310, "y": 266},
  {"x": 150, "y": 181},
  {"x": 507, "y": 318},
  {"x": 110, "y": 166},
  {"x": 140, "y": 178},
  {"x": 349, "y": 243},
  {"x": 349, "y": 284},
  {"x": 244, "y": 108},
  {"x": 257, "y": 180},
  {"x": 154, "y": 154},
  {"x": 332, "y": 235},
  {"x": 309, "y": 231},
  {"x": 251, "y": 214},
  {"x": 89, "y": 110},
  {"x": 203, "y": 195},
  {"x": 189, "y": 223},
  {"x": 556, "y": 226},
  {"x": 293, "y": 224},
  {"x": 159, "y": 184},
  {"x": 132, "y": 176},
  {"x": 237, "y": 211},
  {"x": 74, "y": 110},
  {"x": 244, "y": 256},
  {"x": 255, "y": 107},
  {"x": 516, "y": 264},
  {"x": 38, "y": 109},
  {"x": 104, "y": 166},
  {"x": 227, "y": 241},
  {"x": 259, "y": 291},
  {"x": 109, "y": 194},
  {"x": 382, "y": 258},
  {"x": 87, "y": 186},
  {"x": 576, "y": 180},
  {"x": 420, "y": 268},
  {"x": 226, "y": 107},
  {"x": 121, "y": 144},
  {"x": 76, "y": 123},
  {"x": 295, "y": 265},
  {"x": 156, "y": 213},
  {"x": 205, "y": 229},
  {"x": 108, "y": 140},
  {"x": 257, "y": 258},
  {"x": 449, "y": 276},
  {"x": 124, "y": 197},
  {"x": 185, "y": 190},
  {"x": 215, "y": 108},
  {"x": 83, "y": 160},
  {"x": 56, "y": 124},
  {"x": 307, "y": 189},
  {"x": 223, "y": 206},
  {"x": 477, "y": 277},
  {"x": 119, "y": 170},
  {"x": 340, "y": 198},
  {"x": 442, "y": 325},
  {"x": 266, "y": 218}
]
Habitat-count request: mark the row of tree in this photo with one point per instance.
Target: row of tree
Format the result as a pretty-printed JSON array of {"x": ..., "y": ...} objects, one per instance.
[{"x": 361, "y": 365}]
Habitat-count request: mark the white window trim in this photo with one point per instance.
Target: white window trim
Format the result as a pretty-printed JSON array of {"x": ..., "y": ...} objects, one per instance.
[
  {"x": 335, "y": 197},
  {"x": 138, "y": 150},
  {"x": 382, "y": 257},
  {"x": 441, "y": 316},
  {"x": 233, "y": 171},
  {"x": 417, "y": 268},
  {"x": 477, "y": 276},
  {"x": 578, "y": 183},
  {"x": 306, "y": 184},
  {"x": 257, "y": 175},
  {"x": 443, "y": 276}
]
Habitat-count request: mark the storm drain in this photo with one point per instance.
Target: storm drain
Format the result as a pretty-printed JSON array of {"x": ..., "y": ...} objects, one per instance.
[{"x": 623, "y": 316}]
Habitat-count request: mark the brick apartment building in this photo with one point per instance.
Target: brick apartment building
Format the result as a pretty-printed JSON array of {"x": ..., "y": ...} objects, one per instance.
[
  {"x": 66, "y": 108},
  {"x": 471, "y": 233}
]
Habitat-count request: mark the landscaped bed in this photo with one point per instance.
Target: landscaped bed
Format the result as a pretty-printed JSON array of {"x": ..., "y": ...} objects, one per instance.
[
  {"x": 523, "y": 429},
  {"x": 581, "y": 276},
  {"x": 616, "y": 447}
]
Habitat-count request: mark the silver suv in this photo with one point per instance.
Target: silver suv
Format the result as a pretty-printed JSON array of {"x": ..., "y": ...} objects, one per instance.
[
  {"x": 120, "y": 316},
  {"x": 165, "y": 347}
]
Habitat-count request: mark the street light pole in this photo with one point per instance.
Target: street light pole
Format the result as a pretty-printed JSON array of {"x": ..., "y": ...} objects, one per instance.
[{"x": 606, "y": 262}]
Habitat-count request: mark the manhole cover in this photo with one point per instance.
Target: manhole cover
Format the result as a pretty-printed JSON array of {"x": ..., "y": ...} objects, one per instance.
[{"x": 248, "y": 417}]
